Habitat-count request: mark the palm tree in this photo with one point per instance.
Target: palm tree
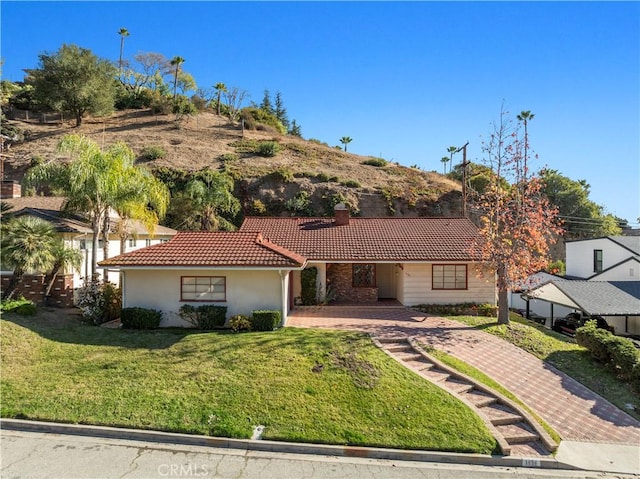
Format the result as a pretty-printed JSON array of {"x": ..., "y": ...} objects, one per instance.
[
  {"x": 211, "y": 196},
  {"x": 27, "y": 245},
  {"x": 345, "y": 140},
  {"x": 176, "y": 62},
  {"x": 525, "y": 117},
  {"x": 93, "y": 182},
  {"x": 65, "y": 257},
  {"x": 451, "y": 150},
  {"x": 123, "y": 32},
  {"x": 445, "y": 160},
  {"x": 220, "y": 89},
  {"x": 147, "y": 200}
]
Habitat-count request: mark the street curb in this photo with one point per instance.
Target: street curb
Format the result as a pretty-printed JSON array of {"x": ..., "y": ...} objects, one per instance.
[{"x": 282, "y": 447}]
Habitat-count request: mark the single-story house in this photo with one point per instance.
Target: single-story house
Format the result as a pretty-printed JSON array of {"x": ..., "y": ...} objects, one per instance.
[{"x": 356, "y": 260}]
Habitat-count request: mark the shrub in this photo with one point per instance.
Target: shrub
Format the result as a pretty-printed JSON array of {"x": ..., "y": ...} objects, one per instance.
[
  {"x": 308, "y": 286},
  {"x": 258, "y": 207},
  {"x": 268, "y": 148},
  {"x": 378, "y": 162},
  {"x": 26, "y": 309},
  {"x": 299, "y": 204},
  {"x": 99, "y": 302},
  {"x": 228, "y": 157},
  {"x": 624, "y": 356},
  {"x": 20, "y": 306},
  {"x": 265, "y": 320},
  {"x": 150, "y": 153},
  {"x": 204, "y": 317},
  {"x": 595, "y": 340},
  {"x": 240, "y": 323},
  {"x": 350, "y": 183},
  {"x": 284, "y": 174},
  {"x": 140, "y": 318},
  {"x": 326, "y": 177}
]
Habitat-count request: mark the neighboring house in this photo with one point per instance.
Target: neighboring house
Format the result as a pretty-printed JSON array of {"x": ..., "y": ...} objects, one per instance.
[
  {"x": 77, "y": 233},
  {"x": 611, "y": 258},
  {"x": 602, "y": 278},
  {"x": 358, "y": 260},
  {"x": 536, "y": 308}
]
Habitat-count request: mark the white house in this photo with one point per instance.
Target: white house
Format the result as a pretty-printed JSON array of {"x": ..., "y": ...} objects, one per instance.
[
  {"x": 356, "y": 260},
  {"x": 602, "y": 278},
  {"x": 77, "y": 233}
]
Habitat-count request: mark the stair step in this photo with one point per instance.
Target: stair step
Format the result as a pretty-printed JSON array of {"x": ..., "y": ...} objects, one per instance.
[
  {"x": 388, "y": 340},
  {"x": 398, "y": 347},
  {"x": 518, "y": 433},
  {"x": 435, "y": 375},
  {"x": 409, "y": 356},
  {"x": 458, "y": 386},
  {"x": 499, "y": 414},
  {"x": 529, "y": 449},
  {"x": 479, "y": 399}
]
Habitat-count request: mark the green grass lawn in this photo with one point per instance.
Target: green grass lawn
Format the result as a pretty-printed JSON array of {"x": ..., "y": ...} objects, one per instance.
[
  {"x": 563, "y": 353},
  {"x": 225, "y": 384}
]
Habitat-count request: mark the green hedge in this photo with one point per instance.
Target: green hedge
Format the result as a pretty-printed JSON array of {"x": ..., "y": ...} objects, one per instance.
[
  {"x": 140, "y": 318},
  {"x": 204, "y": 317},
  {"x": 616, "y": 352},
  {"x": 460, "y": 309},
  {"x": 308, "y": 286},
  {"x": 265, "y": 320},
  {"x": 21, "y": 306}
]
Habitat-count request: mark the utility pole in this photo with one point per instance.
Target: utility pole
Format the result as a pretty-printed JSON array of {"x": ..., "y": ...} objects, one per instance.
[{"x": 464, "y": 165}]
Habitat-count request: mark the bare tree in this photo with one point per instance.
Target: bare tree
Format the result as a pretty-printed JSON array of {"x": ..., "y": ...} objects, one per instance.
[{"x": 233, "y": 99}]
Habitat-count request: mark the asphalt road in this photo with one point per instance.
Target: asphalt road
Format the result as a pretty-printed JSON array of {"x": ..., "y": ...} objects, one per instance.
[{"x": 42, "y": 455}]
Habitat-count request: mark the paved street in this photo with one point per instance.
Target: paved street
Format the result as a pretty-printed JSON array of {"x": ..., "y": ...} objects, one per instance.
[{"x": 38, "y": 455}]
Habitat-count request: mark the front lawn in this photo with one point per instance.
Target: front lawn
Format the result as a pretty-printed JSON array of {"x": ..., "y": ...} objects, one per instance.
[
  {"x": 563, "y": 353},
  {"x": 302, "y": 384}
]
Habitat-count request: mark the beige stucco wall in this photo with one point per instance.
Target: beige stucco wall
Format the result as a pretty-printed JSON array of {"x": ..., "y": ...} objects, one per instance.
[
  {"x": 414, "y": 286},
  {"x": 247, "y": 290}
]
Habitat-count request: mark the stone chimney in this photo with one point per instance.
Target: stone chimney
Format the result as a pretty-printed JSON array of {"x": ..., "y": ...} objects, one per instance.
[
  {"x": 10, "y": 189},
  {"x": 342, "y": 214}
]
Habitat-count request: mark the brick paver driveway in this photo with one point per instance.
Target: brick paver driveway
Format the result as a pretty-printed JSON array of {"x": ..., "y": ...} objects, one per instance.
[{"x": 575, "y": 412}]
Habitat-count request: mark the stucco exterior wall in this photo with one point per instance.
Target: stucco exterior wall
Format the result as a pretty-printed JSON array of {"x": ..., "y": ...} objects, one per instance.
[
  {"x": 246, "y": 290},
  {"x": 627, "y": 271},
  {"x": 580, "y": 258},
  {"x": 415, "y": 286}
]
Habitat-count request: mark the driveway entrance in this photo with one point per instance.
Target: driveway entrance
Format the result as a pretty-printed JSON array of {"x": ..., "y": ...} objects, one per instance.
[{"x": 575, "y": 412}]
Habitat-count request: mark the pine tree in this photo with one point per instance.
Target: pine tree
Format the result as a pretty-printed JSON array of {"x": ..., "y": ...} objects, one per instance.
[
  {"x": 281, "y": 111},
  {"x": 266, "y": 103}
]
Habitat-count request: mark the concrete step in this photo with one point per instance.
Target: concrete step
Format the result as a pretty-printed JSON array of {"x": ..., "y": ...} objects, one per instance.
[
  {"x": 479, "y": 399},
  {"x": 500, "y": 414},
  {"x": 435, "y": 375},
  {"x": 530, "y": 449},
  {"x": 458, "y": 386},
  {"x": 398, "y": 348},
  {"x": 518, "y": 433},
  {"x": 387, "y": 340},
  {"x": 409, "y": 356}
]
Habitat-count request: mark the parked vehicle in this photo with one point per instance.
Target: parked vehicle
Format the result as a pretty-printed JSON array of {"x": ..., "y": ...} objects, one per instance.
[{"x": 573, "y": 321}]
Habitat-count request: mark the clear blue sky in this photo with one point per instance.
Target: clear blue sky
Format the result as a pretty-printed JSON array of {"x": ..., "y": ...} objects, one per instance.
[{"x": 404, "y": 80}]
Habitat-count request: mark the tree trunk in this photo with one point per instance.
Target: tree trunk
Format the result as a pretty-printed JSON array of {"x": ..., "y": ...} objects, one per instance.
[
  {"x": 503, "y": 296},
  {"x": 78, "y": 119},
  {"x": 105, "y": 241},
  {"x": 94, "y": 250},
  {"x": 13, "y": 284},
  {"x": 49, "y": 280}
]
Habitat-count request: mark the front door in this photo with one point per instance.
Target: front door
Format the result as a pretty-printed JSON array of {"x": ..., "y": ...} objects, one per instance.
[{"x": 386, "y": 278}]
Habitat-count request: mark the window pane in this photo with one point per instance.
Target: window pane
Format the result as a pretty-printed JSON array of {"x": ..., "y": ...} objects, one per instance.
[
  {"x": 203, "y": 288},
  {"x": 449, "y": 276}
]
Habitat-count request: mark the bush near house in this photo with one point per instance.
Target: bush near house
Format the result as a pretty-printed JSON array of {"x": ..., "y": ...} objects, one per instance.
[
  {"x": 240, "y": 323},
  {"x": 20, "y": 306},
  {"x": 204, "y": 317},
  {"x": 140, "y": 318},
  {"x": 466, "y": 309},
  {"x": 618, "y": 353},
  {"x": 265, "y": 320}
]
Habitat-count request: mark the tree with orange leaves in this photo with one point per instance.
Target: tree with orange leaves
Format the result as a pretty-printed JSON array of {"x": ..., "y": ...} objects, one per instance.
[{"x": 517, "y": 221}]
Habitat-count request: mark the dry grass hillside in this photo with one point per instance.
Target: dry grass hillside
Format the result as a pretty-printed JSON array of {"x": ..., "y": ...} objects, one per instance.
[{"x": 303, "y": 178}]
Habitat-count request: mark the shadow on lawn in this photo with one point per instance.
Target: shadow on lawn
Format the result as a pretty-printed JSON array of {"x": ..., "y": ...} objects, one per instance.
[{"x": 66, "y": 326}]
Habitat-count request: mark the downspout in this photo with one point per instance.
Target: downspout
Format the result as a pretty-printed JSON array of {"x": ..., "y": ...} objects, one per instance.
[{"x": 283, "y": 294}]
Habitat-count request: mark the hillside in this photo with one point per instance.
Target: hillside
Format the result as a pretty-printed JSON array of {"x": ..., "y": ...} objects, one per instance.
[{"x": 303, "y": 178}]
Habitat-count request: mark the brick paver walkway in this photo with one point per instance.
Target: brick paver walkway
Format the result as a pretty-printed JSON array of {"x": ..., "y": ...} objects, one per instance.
[{"x": 575, "y": 412}]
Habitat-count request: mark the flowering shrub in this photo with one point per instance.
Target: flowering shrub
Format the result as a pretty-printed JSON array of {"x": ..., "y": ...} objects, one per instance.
[{"x": 99, "y": 302}]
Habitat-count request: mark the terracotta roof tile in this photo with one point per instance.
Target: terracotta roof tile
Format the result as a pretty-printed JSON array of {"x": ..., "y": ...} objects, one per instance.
[
  {"x": 371, "y": 239},
  {"x": 198, "y": 248}
]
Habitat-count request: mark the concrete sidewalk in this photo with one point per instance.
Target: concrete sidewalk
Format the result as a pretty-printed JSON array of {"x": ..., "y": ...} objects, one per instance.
[{"x": 578, "y": 414}]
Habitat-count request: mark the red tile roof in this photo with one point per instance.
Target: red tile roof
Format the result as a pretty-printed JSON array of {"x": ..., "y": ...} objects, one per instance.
[
  {"x": 219, "y": 249},
  {"x": 371, "y": 239}
]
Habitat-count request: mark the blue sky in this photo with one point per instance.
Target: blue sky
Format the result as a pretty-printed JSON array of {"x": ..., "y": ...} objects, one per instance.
[{"x": 405, "y": 80}]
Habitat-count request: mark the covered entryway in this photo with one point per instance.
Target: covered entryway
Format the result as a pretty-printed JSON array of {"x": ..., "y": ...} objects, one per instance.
[{"x": 386, "y": 280}]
